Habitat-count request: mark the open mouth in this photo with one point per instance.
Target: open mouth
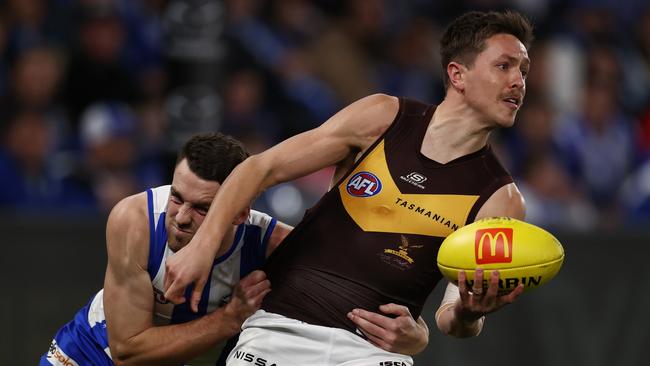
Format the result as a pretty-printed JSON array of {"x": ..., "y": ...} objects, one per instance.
[{"x": 513, "y": 102}]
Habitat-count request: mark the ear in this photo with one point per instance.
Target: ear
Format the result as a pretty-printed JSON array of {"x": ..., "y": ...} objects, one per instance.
[
  {"x": 456, "y": 73},
  {"x": 242, "y": 216}
]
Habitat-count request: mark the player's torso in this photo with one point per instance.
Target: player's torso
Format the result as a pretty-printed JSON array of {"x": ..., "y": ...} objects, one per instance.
[{"x": 374, "y": 237}]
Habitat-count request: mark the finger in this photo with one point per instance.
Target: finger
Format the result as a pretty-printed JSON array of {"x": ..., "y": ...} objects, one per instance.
[
  {"x": 175, "y": 294},
  {"x": 493, "y": 287},
  {"x": 256, "y": 289},
  {"x": 512, "y": 296},
  {"x": 253, "y": 278},
  {"x": 379, "y": 342},
  {"x": 257, "y": 300},
  {"x": 196, "y": 294},
  {"x": 462, "y": 287},
  {"x": 367, "y": 326},
  {"x": 378, "y": 320},
  {"x": 395, "y": 309},
  {"x": 477, "y": 287}
]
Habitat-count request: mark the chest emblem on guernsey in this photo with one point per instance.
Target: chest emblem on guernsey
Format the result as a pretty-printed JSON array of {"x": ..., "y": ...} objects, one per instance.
[
  {"x": 399, "y": 258},
  {"x": 363, "y": 184}
]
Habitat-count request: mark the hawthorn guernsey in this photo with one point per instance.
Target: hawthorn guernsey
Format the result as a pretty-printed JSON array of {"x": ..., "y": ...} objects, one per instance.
[{"x": 522, "y": 252}]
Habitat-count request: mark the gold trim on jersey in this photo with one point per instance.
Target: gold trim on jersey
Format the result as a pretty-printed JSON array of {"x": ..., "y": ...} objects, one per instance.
[{"x": 392, "y": 211}]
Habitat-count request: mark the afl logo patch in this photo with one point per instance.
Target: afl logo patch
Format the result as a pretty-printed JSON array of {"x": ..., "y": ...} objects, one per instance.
[{"x": 363, "y": 184}]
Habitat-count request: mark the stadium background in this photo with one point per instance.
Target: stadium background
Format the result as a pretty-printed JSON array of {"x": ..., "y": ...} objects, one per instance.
[{"x": 97, "y": 95}]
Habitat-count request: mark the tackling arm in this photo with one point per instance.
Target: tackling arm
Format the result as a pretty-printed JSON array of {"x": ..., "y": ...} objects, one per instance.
[{"x": 128, "y": 299}]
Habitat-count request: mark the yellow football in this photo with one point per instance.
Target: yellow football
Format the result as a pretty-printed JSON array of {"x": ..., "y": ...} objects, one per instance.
[{"x": 522, "y": 252}]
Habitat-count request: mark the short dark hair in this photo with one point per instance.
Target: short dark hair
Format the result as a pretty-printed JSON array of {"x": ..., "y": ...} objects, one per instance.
[
  {"x": 212, "y": 156},
  {"x": 465, "y": 37}
]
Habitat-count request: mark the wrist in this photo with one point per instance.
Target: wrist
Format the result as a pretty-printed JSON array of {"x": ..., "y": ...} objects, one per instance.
[
  {"x": 231, "y": 321},
  {"x": 466, "y": 317}
]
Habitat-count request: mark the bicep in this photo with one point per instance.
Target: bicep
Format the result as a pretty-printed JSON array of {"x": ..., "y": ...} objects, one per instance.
[
  {"x": 506, "y": 201},
  {"x": 128, "y": 294},
  {"x": 351, "y": 130}
]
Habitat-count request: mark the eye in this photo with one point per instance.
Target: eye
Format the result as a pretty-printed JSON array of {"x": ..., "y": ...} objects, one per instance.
[
  {"x": 201, "y": 210},
  {"x": 524, "y": 73},
  {"x": 503, "y": 66},
  {"x": 174, "y": 198}
]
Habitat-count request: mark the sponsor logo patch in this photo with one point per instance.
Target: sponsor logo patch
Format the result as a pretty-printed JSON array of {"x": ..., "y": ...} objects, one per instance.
[
  {"x": 252, "y": 359},
  {"x": 57, "y": 357},
  {"x": 399, "y": 258},
  {"x": 493, "y": 246},
  {"x": 415, "y": 179},
  {"x": 363, "y": 184}
]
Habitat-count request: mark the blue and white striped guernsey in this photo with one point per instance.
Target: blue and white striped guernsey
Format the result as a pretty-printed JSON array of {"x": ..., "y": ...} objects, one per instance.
[{"x": 84, "y": 341}]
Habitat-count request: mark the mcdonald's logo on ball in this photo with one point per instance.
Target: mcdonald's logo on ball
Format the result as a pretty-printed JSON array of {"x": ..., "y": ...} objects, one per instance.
[{"x": 493, "y": 245}]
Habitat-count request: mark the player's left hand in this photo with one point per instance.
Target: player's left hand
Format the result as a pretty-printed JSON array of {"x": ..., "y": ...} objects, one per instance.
[
  {"x": 399, "y": 334},
  {"x": 479, "y": 302}
]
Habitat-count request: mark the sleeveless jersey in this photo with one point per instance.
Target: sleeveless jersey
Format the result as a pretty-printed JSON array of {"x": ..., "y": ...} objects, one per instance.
[
  {"x": 84, "y": 341},
  {"x": 373, "y": 238}
]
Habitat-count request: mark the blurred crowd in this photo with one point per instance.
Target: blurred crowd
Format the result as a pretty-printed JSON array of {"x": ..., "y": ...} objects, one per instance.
[{"x": 97, "y": 95}]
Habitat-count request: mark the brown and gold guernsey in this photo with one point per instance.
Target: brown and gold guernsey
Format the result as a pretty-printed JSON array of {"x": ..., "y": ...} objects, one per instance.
[{"x": 374, "y": 237}]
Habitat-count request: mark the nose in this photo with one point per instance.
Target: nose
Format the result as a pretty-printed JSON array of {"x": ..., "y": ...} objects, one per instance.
[
  {"x": 518, "y": 82},
  {"x": 183, "y": 216}
]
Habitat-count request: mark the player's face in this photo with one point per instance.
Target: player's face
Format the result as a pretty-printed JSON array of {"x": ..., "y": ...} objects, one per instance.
[
  {"x": 189, "y": 201},
  {"x": 496, "y": 83}
]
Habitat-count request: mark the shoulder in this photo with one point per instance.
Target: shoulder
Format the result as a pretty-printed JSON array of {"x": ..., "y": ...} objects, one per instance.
[
  {"x": 364, "y": 120},
  {"x": 505, "y": 201},
  {"x": 130, "y": 211},
  {"x": 127, "y": 229},
  {"x": 379, "y": 105}
]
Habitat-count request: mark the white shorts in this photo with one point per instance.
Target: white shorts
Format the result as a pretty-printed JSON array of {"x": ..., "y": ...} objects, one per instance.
[{"x": 270, "y": 339}]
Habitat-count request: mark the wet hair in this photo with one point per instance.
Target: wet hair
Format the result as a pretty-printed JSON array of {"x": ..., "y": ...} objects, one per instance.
[
  {"x": 212, "y": 156},
  {"x": 465, "y": 37}
]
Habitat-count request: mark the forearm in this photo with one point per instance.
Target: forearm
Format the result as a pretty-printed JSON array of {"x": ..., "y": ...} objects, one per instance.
[
  {"x": 175, "y": 344},
  {"x": 450, "y": 322},
  {"x": 237, "y": 192}
]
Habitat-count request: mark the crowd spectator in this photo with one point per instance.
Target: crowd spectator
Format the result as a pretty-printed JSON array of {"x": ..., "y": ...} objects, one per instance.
[{"x": 89, "y": 92}]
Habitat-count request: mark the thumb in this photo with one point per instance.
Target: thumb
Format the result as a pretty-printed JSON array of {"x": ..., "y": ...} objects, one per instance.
[{"x": 394, "y": 309}]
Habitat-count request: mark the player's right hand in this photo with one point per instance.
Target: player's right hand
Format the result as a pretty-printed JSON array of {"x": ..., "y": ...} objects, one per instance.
[
  {"x": 247, "y": 295},
  {"x": 188, "y": 265},
  {"x": 479, "y": 302}
]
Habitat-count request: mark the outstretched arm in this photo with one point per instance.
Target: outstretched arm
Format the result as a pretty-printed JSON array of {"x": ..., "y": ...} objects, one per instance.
[
  {"x": 346, "y": 133},
  {"x": 462, "y": 312},
  {"x": 129, "y": 299}
]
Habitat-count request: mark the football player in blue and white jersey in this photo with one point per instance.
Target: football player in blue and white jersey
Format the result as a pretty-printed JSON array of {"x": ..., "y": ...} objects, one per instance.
[{"x": 131, "y": 314}]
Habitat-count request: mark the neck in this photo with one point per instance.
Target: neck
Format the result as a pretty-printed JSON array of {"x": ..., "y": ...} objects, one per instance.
[{"x": 454, "y": 130}]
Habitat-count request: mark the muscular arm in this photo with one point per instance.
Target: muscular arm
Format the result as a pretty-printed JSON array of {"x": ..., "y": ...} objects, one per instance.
[
  {"x": 461, "y": 315},
  {"x": 351, "y": 130},
  {"x": 128, "y": 299}
]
